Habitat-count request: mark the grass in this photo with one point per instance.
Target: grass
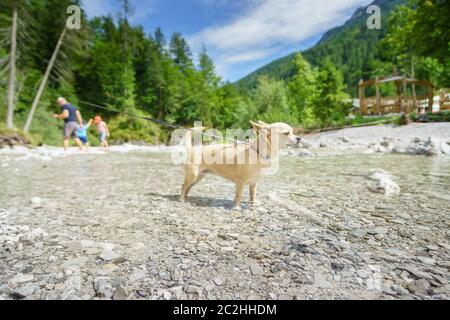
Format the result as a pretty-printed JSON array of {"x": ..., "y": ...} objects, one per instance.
[
  {"x": 357, "y": 121},
  {"x": 443, "y": 116},
  {"x": 26, "y": 137}
]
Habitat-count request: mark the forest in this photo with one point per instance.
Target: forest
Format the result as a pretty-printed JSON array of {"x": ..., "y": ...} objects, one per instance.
[{"x": 118, "y": 65}]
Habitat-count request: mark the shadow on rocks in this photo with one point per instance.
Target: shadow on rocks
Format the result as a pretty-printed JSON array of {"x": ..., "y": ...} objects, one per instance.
[{"x": 203, "y": 202}]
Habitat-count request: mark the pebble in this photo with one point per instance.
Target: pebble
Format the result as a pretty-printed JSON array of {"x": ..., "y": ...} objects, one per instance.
[
  {"x": 109, "y": 255},
  {"x": 194, "y": 290},
  {"x": 76, "y": 262},
  {"x": 36, "y": 201},
  {"x": 378, "y": 230},
  {"x": 107, "y": 269},
  {"x": 395, "y": 252},
  {"x": 138, "y": 275},
  {"x": 27, "y": 290},
  {"x": 60, "y": 286},
  {"x": 218, "y": 281},
  {"x": 93, "y": 251},
  {"x": 20, "y": 278},
  {"x": 167, "y": 295},
  {"x": 419, "y": 287},
  {"x": 417, "y": 273},
  {"x": 103, "y": 288},
  {"x": 255, "y": 269},
  {"x": 426, "y": 260},
  {"x": 321, "y": 282},
  {"x": 120, "y": 294},
  {"x": 142, "y": 293}
]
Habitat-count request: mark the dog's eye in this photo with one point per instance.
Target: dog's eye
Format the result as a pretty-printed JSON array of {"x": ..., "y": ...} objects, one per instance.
[{"x": 286, "y": 133}]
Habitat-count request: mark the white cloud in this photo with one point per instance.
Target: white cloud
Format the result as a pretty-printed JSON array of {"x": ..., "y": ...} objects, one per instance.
[
  {"x": 271, "y": 24},
  {"x": 248, "y": 56}
]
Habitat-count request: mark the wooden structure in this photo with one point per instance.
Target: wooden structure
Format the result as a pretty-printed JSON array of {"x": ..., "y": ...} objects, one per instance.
[
  {"x": 444, "y": 99},
  {"x": 402, "y": 102}
]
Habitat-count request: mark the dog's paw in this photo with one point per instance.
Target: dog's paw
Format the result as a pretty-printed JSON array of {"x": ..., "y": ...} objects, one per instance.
[{"x": 236, "y": 208}]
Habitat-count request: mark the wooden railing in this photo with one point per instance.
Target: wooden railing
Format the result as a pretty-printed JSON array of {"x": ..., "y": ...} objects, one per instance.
[
  {"x": 395, "y": 105},
  {"x": 445, "y": 99}
]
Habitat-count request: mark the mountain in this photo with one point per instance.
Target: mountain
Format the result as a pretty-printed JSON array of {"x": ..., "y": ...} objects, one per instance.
[{"x": 351, "y": 47}]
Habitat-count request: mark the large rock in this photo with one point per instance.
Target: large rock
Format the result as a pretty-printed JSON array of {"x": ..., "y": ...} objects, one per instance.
[
  {"x": 435, "y": 147},
  {"x": 431, "y": 147},
  {"x": 383, "y": 183}
]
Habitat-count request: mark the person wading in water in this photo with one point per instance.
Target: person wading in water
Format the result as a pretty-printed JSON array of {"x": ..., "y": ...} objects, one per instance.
[{"x": 72, "y": 122}]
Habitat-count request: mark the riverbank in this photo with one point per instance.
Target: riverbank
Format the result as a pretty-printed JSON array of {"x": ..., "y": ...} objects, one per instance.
[
  {"x": 428, "y": 139},
  {"x": 112, "y": 227},
  {"x": 431, "y": 139}
]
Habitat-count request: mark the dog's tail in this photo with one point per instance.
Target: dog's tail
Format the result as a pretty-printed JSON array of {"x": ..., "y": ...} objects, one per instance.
[{"x": 188, "y": 140}]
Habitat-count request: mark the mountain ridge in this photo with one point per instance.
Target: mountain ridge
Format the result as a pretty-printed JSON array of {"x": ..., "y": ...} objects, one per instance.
[{"x": 350, "y": 46}]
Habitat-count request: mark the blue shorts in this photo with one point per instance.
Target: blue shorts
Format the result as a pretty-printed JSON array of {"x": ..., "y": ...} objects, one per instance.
[
  {"x": 102, "y": 137},
  {"x": 83, "y": 139}
]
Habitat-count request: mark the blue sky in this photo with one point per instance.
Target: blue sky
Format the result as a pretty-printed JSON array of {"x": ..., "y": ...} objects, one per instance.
[{"x": 240, "y": 35}]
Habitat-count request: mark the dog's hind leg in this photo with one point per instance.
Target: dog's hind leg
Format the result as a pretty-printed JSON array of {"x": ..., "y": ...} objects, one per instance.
[
  {"x": 189, "y": 177},
  {"x": 253, "y": 194}
]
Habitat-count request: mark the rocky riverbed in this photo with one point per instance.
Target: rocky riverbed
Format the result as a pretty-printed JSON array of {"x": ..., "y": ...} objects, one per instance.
[
  {"x": 429, "y": 139},
  {"x": 110, "y": 226}
]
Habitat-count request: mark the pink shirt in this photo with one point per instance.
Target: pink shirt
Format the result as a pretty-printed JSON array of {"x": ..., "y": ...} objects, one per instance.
[{"x": 101, "y": 127}]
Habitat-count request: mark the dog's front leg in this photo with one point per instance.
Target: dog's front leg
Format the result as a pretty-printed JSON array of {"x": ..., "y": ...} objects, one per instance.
[{"x": 239, "y": 193}]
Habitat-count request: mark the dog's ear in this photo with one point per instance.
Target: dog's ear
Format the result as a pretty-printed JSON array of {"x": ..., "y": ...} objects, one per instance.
[
  {"x": 256, "y": 126},
  {"x": 260, "y": 126},
  {"x": 263, "y": 123}
]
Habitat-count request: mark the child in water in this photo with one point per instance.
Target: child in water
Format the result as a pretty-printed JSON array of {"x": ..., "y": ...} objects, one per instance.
[
  {"x": 82, "y": 133},
  {"x": 103, "y": 131}
]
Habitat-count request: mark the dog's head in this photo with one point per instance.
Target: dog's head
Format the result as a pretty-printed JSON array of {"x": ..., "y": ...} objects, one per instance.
[{"x": 284, "y": 131}]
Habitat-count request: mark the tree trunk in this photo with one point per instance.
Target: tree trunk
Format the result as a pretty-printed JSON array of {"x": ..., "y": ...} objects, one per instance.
[
  {"x": 12, "y": 71},
  {"x": 413, "y": 76},
  {"x": 44, "y": 81}
]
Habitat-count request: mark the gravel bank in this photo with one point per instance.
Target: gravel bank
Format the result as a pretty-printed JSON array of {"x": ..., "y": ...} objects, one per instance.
[
  {"x": 110, "y": 226},
  {"x": 411, "y": 139}
]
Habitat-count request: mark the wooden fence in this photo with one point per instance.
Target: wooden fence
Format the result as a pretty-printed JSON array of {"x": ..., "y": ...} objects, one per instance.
[{"x": 444, "y": 99}]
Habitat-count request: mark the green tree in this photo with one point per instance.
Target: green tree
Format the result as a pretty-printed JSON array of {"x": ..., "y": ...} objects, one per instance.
[
  {"x": 271, "y": 101},
  {"x": 431, "y": 25},
  {"x": 303, "y": 89},
  {"x": 332, "y": 101},
  {"x": 399, "y": 45},
  {"x": 181, "y": 53}
]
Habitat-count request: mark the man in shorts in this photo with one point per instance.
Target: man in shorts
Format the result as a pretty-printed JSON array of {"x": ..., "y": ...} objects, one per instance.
[{"x": 72, "y": 122}]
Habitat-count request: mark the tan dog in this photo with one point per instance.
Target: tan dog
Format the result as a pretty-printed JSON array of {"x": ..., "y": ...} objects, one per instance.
[{"x": 243, "y": 164}]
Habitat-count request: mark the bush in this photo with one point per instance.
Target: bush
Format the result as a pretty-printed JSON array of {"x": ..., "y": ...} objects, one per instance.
[{"x": 443, "y": 116}]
